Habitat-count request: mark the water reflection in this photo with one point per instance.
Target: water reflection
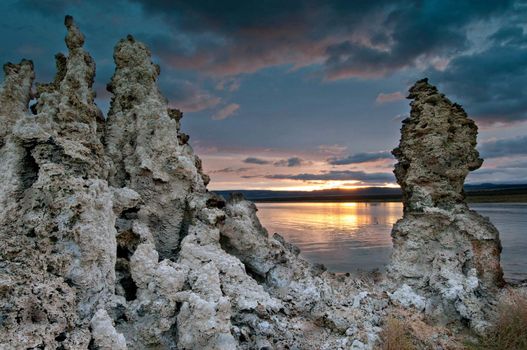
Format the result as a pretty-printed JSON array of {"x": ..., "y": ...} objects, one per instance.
[
  {"x": 343, "y": 236},
  {"x": 356, "y": 236}
]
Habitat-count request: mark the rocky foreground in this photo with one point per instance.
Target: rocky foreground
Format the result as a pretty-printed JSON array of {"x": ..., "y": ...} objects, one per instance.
[{"x": 109, "y": 238}]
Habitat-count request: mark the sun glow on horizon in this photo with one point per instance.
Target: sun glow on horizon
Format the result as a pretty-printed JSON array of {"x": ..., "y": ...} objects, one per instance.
[
  {"x": 308, "y": 187},
  {"x": 329, "y": 185}
]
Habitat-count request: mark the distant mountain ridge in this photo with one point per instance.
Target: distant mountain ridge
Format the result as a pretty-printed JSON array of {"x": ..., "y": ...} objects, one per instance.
[{"x": 368, "y": 193}]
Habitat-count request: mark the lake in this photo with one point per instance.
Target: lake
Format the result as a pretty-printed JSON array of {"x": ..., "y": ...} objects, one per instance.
[{"x": 355, "y": 236}]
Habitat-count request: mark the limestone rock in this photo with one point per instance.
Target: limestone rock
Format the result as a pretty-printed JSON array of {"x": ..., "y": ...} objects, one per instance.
[
  {"x": 436, "y": 152},
  {"x": 105, "y": 336},
  {"x": 443, "y": 250},
  {"x": 142, "y": 142},
  {"x": 15, "y": 94}
]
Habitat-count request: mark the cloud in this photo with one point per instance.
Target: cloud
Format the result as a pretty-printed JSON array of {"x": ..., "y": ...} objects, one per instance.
[
  {"x": 360, "y": 158},
  {"x": 516, "y": 165},
  {"x": 336, "y": 39},
  {"x": 490, "y": 82},
  {"x": 504, "y": 147},
  {"x": 414, "y": 34},
  {"x": 254, "y": 160},
  {"x": 367, "y": 40},
  {"x": 498, "y": 175},
  {"x": 384, "y": 98},
  {"x": 334, "y": 150},
  {"x": 343, "y": 175},
  {"x": 230, "y": 170},
  {"x": 291, "y": 162},
  {"x": 226, "y": 111},
  {"x": 347, "y": 39},
  {"x": 187, "y": 96},
  {"x": 250, "y": 176},
  {"x": 228, "y": 84}
]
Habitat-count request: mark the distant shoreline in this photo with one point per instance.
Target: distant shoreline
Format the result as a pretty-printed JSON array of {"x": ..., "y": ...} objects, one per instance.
[
  {"x": 470, "y": 199},
  {"x": 495, "y": 195}
]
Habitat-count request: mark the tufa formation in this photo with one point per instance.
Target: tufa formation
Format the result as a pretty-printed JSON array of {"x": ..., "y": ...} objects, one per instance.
[
  {"x": 443, "y": 249},
  {"x": 109, "y": 238}
]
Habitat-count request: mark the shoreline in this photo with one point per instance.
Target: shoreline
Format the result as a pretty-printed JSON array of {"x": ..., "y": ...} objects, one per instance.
[
  {"x": 506, "y": 194},
  {"x": 520, "y": 198}
]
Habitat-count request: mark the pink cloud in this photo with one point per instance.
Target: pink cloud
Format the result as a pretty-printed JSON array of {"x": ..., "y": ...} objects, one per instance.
[
  {"x": 226, "y": 111},
  {"x": 390, "y": 97},
  {"x": 228, "y": 84}
]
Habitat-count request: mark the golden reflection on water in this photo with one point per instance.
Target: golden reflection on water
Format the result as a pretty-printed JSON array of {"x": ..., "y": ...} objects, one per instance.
[
  {"x": 356, "y": 236},
  {"x": 344, "y": 236}
]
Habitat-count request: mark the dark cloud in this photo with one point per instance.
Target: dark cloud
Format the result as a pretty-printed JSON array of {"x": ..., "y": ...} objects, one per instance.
[
  {"x": 254, "y": 160},
  {"x": 342, "y": 39},
  {"x": 352, "y": 38},
  {"x": 360, "y": 158},
  {"x": 230, "y": 170},
  {"x": 491, "y": 82},
  {"x": 343, "y": 175},
  {"x": 186, "y": 95},
  {"x": 416, "y": 32},
  {"x": 504, "y": 147},
  {"x": 291, "y": 162}
]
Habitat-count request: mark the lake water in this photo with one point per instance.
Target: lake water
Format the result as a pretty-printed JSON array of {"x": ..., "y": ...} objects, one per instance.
[{"x": 355, "y": 236}]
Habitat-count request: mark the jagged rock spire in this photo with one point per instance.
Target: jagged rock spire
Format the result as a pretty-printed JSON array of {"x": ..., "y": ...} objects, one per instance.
[
  {"x": 146, "y": 148},
  {"x": 74, "y": 79},
  {"x": 447, "y": 252},
  {"x": 436, "y": 151},
  {"x": 74, "y": 39},
  {"x": 66, "y": 110},
  {"x": 58, "y": 232}
]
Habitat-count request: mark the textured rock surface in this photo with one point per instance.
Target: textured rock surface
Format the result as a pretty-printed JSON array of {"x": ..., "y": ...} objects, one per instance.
[
  {"x": 109, "y": 238},
  {"x": 57, "y": 232},
  {"x": 443, "y": 250}
]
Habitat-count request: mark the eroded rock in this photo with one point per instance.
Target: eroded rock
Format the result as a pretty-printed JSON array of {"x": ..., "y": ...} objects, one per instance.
[
  {"x": 57, "y": 231},
  {"x": 442, "y": 249},
  {"x": 195, "y": 285}
]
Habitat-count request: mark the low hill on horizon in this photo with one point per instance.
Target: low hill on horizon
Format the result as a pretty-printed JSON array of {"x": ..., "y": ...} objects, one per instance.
[{"x": 487, "y": 192}]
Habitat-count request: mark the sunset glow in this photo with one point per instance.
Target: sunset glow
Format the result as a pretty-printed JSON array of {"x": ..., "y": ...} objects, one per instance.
[{"x": 326, "y": 186}]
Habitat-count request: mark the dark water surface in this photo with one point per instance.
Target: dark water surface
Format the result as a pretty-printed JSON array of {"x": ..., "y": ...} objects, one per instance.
[{"x": 356, "y": 236}]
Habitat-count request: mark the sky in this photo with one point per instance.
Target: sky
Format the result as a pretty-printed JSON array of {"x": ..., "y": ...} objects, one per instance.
[{"x": 304, "y": 94}]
